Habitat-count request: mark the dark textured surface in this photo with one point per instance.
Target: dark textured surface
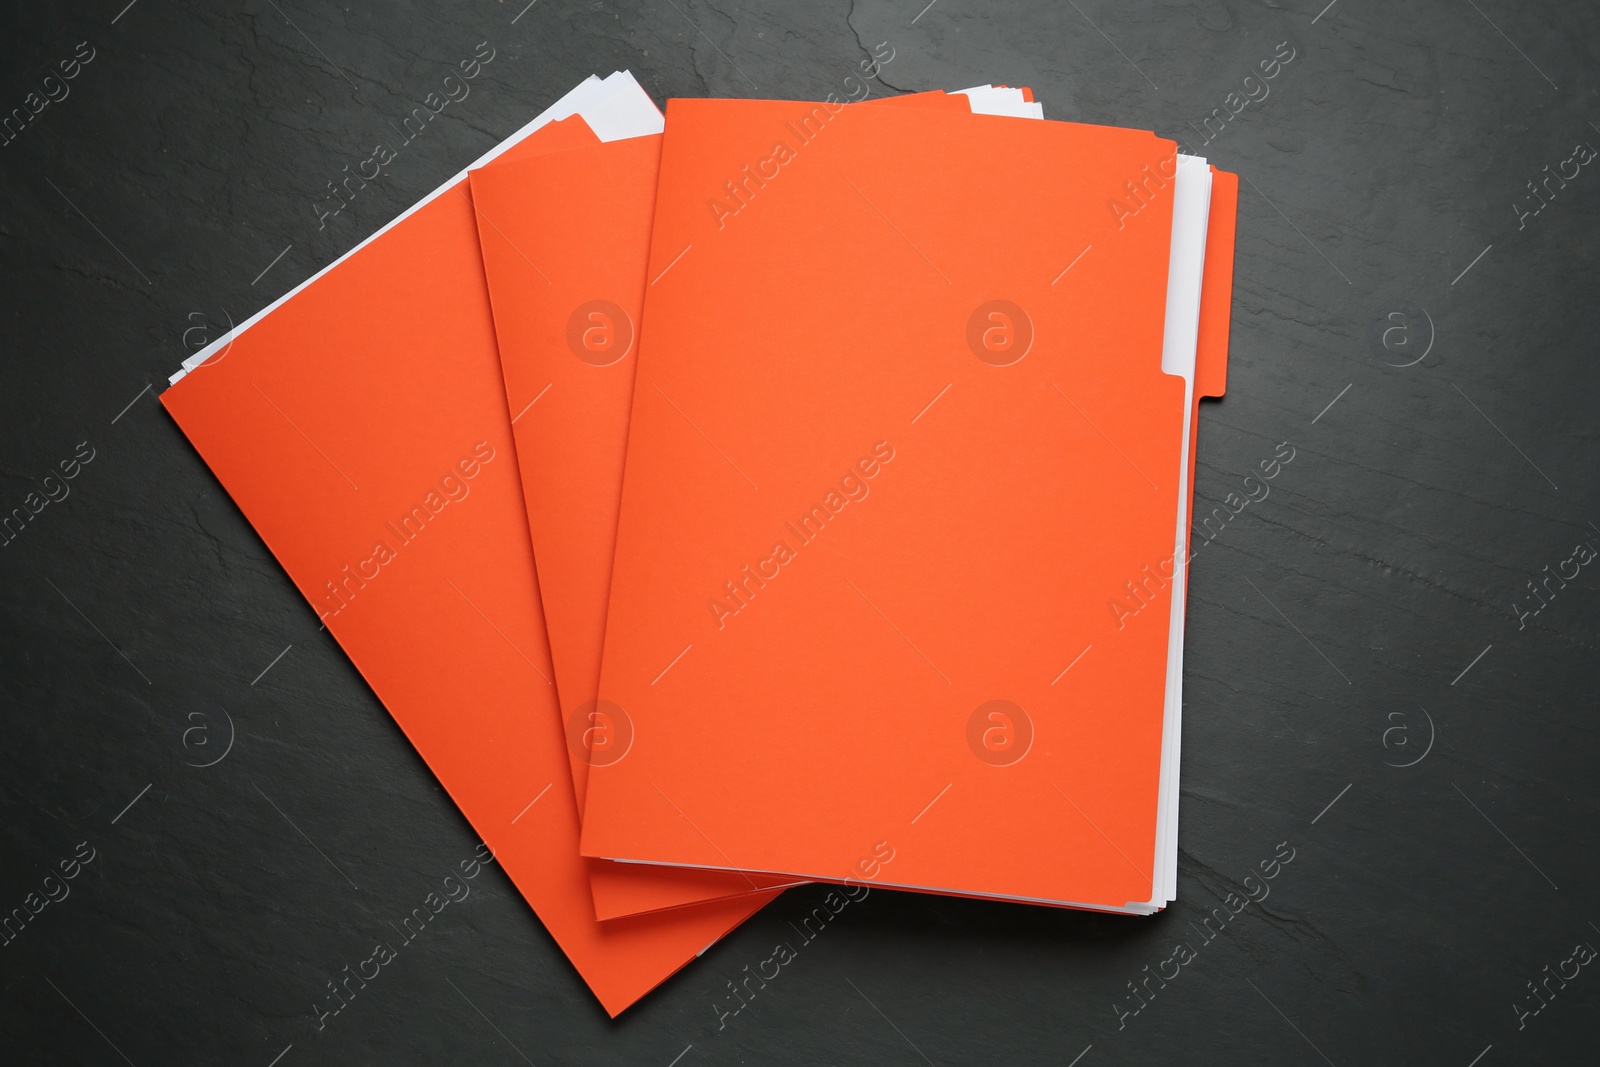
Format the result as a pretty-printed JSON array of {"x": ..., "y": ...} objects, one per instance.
[{"x": 1329, "y": 624}]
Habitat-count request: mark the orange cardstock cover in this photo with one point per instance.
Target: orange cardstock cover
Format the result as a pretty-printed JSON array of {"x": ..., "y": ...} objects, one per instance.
[
  {"x": 565, "y": 239},
  {"x": 1216, "y": 299},
  {"x": 1216, "y": 307},
  {"x": 362, "y": 428},
  {"x": 853, "y": 515}
]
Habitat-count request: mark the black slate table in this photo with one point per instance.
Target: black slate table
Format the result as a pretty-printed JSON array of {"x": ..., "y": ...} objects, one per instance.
[{"x": 1391, "y": 667}]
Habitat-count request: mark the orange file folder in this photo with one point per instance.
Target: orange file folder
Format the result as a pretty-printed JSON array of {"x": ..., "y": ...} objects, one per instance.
[
  {"x": 883, "y": 446},
  {"x": 361, "y": 425}
]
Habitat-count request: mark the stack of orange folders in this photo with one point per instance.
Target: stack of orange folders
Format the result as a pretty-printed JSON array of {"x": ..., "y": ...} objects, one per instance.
[{"x": 762, "y": 473}]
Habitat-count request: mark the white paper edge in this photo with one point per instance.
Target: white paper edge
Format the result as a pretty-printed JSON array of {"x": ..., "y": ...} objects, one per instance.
[
  {"x": 1191, "y": 214},
  {"x": 991, "y": 100}
]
